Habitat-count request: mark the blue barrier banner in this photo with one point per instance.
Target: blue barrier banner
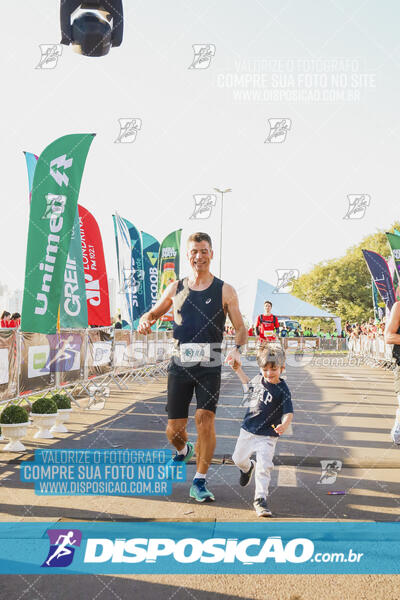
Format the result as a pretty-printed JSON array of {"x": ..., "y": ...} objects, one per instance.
[
  {"x": 130, "y": 472},
  {"x": 190, "y": 548}
]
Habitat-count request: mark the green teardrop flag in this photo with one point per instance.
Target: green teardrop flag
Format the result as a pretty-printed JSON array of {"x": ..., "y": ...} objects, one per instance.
[{"x": 55, "y": 192}]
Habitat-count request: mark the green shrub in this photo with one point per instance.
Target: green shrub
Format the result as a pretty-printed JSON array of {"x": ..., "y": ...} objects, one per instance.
[
  {"x": 44, "y": 406},
  {"x": 61, "y": 400},
  {"x": 13, "y": 414}
]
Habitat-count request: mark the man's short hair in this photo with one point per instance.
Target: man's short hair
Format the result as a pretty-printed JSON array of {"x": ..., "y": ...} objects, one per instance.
[
  {"x": 272, "y": 354},
  {"x": 200, "y": 237},
  {"x": 268, "y": 302}
]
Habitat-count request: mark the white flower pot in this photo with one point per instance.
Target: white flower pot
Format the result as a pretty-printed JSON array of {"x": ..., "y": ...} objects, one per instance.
[
  {"x": 61, "y": 418},
  {"x": 43, "y": 423},
  {"x": 14, "y": 432}
]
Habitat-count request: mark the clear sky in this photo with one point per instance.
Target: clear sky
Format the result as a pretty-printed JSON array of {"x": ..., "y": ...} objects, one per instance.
[{"x": 206, "y": 128}]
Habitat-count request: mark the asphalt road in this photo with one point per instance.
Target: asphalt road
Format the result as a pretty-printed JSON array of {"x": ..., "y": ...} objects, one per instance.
[{"x": 342, "y": 413}]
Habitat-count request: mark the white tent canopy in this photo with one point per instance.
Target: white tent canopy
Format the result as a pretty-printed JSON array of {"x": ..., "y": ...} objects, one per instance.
[{"x": 252, "y": 300}]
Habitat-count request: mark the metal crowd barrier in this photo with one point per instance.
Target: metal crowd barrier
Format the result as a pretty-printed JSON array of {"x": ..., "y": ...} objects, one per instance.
[
  {"x": 334, "y": 344},
  {"x": 89, "y": 361},
  {"x": 78, "y": 362},
  {"x": 375, "y": 350}
]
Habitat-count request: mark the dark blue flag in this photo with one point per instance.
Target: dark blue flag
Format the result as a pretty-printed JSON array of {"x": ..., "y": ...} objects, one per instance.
[{"x": 380, "y": 273}]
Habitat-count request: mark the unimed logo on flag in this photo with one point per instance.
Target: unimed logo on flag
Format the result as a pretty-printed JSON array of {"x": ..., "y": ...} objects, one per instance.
[{"x": 55, "y": 191}]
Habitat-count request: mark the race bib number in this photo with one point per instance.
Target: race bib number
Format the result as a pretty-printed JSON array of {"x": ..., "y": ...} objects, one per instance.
[{"x": 195, "y": 353}]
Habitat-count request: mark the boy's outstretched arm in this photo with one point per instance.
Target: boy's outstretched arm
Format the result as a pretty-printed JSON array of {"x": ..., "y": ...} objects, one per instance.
[
  {"x": 240, "y": 373},
  {"x": 286, "y": 420}
]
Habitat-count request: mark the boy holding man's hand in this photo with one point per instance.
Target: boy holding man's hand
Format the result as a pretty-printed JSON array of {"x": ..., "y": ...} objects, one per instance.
[{"x": 269, "y": 414}]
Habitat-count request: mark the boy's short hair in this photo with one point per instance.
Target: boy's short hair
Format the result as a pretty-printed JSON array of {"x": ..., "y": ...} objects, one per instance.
[{"x": 271, "y": 354}]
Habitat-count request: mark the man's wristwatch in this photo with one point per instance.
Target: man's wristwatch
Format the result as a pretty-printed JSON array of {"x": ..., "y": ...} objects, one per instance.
[{"x": 239, "y": 348}]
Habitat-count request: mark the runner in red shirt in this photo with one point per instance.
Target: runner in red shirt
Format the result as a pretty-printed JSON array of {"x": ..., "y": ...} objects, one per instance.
[{"x": 267, "y": 324}]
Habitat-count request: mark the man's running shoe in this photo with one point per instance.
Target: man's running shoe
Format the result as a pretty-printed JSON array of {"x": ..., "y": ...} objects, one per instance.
[
  {"x": 178, "y": 459},
  {"x": 261, "y": 507},
  {"x": 245, "y": 478},
  {"x": 395, "y": 433},
  {"x": 199, "y": 491}
]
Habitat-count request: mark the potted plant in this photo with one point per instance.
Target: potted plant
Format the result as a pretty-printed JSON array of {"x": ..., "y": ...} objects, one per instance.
[
  {"x": 14, "y": 422},
  {"x": 44, "y": 414},
  {"x": 63, "y": 412}
]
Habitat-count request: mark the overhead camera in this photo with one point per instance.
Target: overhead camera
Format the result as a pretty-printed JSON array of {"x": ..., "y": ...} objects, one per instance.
[{"x": 91, "y": 27}]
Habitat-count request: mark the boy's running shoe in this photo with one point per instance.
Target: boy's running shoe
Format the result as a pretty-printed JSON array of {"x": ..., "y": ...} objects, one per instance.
[
  {"x": 179, "y": 458},
  {"x": 395, "y": 433},
  {"x": 245, "y": 478},
  {"x": 199, "y": 491},
  {"x": 261, "y": 507}
]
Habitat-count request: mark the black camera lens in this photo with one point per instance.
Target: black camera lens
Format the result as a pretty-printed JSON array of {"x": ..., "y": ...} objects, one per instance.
[
  {"x": 91, "y": 26},
  {"x": 91, "y": 35}
]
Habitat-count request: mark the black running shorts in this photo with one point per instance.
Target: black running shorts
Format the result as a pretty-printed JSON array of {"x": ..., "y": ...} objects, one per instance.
[{"x": 182, "y": 382}]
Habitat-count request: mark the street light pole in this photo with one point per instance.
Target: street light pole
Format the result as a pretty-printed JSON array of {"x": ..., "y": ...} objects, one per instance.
[{"x": 222, "y": 192}]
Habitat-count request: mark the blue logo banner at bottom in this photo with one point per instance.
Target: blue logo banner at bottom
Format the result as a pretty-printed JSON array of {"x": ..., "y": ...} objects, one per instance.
[{"x": 216, "y": 548}]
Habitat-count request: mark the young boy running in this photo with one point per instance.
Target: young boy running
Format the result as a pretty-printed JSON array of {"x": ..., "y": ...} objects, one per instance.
[{"x": 268, "y": 415}]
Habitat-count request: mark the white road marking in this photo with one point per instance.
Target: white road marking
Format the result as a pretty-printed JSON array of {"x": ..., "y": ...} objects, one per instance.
[{"x": 287, "y": 476}]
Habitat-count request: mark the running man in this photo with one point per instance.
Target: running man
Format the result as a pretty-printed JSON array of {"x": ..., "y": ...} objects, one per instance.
[
  {"x": 200, "y": 303},
  {"x": 62, "y": 549},
  {"x": 267, "y": 325}
]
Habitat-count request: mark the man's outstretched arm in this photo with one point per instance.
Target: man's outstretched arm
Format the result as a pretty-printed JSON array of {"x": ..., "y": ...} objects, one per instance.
[{"x": 159, "y": 309}]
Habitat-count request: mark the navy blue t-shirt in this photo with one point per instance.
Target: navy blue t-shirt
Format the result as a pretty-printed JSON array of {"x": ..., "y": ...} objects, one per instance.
[{"x": 268, "y": 403}]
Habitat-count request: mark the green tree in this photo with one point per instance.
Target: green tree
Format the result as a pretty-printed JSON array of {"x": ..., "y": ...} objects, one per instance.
[{"x": 342, "y": 286}]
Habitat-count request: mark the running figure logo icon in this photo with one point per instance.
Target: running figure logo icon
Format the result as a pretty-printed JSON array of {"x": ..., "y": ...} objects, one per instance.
[
  {"x": 203, "y": 53},
  {"x": 128, "y": 129},
  {"x": 278, "y": 129},
  {"x": 203, "y": 205},
  {"x": 358, "y": 204},
  {"x": 330, "y": 470},
  {"x": 50, "y": 53},
  {"x": 286, "y": 278},
  {"x": 62, "y": 542}
]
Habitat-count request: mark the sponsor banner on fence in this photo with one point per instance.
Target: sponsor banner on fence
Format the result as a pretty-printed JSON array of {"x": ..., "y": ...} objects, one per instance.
[
  {"x": 38, "y": 367},
  {"x": 123, "y": 358},
  {"x": 55, "y": 191},
  {"x": 200, "y": 548},
  {"x": 130, "y": 350},
  {"x": 43, "y": 356},
  {"x": 99, "y": 351},
  {"x": 71, "y": 361},
  {"x": 8, "y": 364}
]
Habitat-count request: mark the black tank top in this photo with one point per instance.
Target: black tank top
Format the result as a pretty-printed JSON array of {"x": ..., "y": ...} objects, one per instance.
[{"x": 199, "y": 316}]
